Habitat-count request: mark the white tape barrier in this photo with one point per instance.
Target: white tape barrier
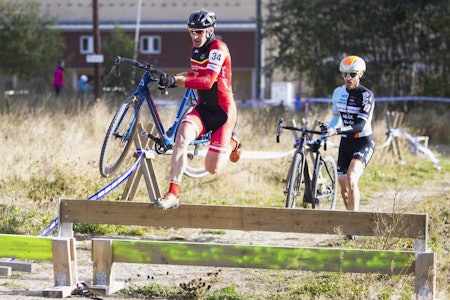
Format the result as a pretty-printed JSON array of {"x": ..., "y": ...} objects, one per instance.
[
  {"x": 257, "y": 154},
  {"x": 415, "y": 146}
]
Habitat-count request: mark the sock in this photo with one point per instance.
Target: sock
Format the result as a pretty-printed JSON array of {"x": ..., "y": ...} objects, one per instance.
[{"x": 174, "y": 188}]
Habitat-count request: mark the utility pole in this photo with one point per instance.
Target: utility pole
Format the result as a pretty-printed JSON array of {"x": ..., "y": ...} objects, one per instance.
[
  {"x": 259, "y": 92},
  {"x": 97, "y": 50}
]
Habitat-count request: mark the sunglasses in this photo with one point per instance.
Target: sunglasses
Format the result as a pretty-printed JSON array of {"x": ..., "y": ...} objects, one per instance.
[
  {"x": 352, "y": 75},
  {"x": 196, "y": 31}
]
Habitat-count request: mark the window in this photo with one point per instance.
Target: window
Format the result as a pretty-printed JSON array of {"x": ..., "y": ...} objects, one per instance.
[
  {"x": 150, "y": 44},
  {"x": 86, "y": 44}
]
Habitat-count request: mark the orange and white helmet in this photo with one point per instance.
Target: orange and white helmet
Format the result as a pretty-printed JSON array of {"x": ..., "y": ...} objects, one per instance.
[{"x": 352, "y": 63}]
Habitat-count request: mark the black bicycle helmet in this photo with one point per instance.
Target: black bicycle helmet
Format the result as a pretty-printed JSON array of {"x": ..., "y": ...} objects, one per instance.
[{"x": 202, "y": 19}]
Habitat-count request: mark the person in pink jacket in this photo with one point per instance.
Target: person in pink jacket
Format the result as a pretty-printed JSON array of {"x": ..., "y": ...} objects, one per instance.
[{"x": 58, "y": 78}]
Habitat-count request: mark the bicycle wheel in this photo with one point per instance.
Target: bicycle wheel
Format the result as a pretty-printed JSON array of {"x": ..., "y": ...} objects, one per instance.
[
  {"x": 295, "y": 182},
  {"x": 196, "y": 160},
  {"x": 119, "y": 137},
  {"x": 326, "y": 185}
]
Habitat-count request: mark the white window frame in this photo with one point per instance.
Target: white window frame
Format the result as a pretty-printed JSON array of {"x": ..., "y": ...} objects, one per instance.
[
  {"x": 150, "y": 43},
  {"x": 90, "y": 44}
]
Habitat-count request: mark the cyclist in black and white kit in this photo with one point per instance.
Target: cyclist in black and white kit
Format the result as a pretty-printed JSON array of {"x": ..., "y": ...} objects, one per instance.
[{"x": 353, "y": 106}]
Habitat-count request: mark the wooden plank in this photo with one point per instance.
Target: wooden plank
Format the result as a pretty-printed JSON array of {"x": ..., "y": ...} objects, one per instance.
[
  {"x": 245, "y": 218},
  {"x": 17, "y": 266},
  {"x": 5, "y": 271},
  {"x": 26, "y": 247},
  {"x": 263, "y": 257},
  {"x": 58, "y": 292},
  {"x": 132, "y": 185}
]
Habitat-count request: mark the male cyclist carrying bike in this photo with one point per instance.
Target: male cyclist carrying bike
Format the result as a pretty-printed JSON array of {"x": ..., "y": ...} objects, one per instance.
[
  {"x": 216, "y": 110},
  {"x": 353, "y": 104}
]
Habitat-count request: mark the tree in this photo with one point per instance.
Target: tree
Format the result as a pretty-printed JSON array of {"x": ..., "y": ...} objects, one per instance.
[
  {"x": 118, "y": 44},
  {"x": 404, "y": 42},
  {"x": 30, "y": 48}
]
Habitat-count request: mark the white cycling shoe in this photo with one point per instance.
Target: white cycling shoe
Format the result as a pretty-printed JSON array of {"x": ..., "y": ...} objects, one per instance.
[{"x": 167, "y": 201}]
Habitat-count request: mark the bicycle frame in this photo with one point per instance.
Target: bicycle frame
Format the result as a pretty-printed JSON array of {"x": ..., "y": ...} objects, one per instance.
[
  {"x": 299, "y": 169},
  {"x": 123, "y": 126},
  {"x": 166, "y": 139}
]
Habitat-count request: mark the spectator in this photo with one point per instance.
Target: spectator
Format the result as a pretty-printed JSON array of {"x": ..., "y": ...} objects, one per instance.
[
  {"x": 58, "y": 78},
  {"x": 82, "y": 88}
]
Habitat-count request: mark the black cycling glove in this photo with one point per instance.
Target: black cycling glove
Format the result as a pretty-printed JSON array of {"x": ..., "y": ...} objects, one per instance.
[{"x": 166, "y": 81}]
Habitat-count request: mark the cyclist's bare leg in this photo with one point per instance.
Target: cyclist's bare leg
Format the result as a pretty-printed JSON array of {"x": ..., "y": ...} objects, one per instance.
[
  {"x": 349, "y": 185},
  {"x": 187, "y": 132},
  {"x": 215, "y": 161},
  {"x": 220, "y": 147},
  {"x": 342, "y": 179}
]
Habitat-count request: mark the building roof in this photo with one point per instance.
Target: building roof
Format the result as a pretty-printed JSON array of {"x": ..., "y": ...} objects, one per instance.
[
  {"x": 151, "y": 10},
  {"x": 150, "y": 25}
]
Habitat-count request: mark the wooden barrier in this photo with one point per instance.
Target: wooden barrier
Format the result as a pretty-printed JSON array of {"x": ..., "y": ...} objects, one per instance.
[
  {"x": 145, "y": 169},
  {"x": 106, "y": 253},
  {"x": 59, "y": 250}
]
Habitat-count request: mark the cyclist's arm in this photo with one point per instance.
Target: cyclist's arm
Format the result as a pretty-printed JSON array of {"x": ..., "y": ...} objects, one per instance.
[
  {"x": 358, "y": 126},
  {"x": 189, "y": 80},
  {"x": 335, "y": 121}
]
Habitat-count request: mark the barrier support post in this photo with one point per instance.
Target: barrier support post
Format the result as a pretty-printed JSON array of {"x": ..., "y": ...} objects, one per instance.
[
  {"x": 64, "y": 268},
  {"x": 395, "y": 123},
  {"x": 425, "y": 275},
  {"x": 146, "y": 168},
  {"x": 104, "y": 268}
]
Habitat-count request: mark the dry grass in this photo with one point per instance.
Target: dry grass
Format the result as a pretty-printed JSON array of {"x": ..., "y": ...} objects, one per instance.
[
  {"x": 51, "y": 150},
  {"x": 54, "y": 141}
]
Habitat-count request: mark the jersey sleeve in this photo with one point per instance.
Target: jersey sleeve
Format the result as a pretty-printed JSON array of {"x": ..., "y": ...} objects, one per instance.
[{"x": 336, "y": 117}]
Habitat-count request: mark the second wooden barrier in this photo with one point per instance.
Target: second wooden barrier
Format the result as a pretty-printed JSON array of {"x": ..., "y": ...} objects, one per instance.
[{"x": 107, "y": 252}]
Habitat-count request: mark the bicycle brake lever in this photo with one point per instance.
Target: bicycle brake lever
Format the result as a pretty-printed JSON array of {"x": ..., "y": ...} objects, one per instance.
[
  {"x": 278, "y": 132},
  {"x": 115, "y": 67}
]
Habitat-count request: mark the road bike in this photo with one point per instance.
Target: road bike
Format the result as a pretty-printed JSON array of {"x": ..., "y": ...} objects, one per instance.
[
  {"x": 319, "y": 187},
  {"x": 122, "y": 129}
]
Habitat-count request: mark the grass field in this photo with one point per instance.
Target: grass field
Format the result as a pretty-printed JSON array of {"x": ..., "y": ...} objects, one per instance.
[{"x": 50, "y": 149}]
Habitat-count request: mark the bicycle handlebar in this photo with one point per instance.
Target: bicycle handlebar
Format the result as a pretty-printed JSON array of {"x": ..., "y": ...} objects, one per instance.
[
  {"x": 280, "y": 126},
  {"x": 145, "y": 66}
]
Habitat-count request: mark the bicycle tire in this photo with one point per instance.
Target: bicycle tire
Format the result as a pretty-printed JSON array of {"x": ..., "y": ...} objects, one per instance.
[
  {"x": 325, "y": 188},
  {"x": 195, "y": 167},
  {"x": 295, "y": 180},
  {"x": 116, "y": 146}
]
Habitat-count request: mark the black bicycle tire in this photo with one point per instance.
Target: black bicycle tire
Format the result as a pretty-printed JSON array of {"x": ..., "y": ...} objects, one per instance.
[
  {"x": 106, "y": 167},
  {"x": 294, "y": 180},
  {"x": 328, "y": 170}
]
